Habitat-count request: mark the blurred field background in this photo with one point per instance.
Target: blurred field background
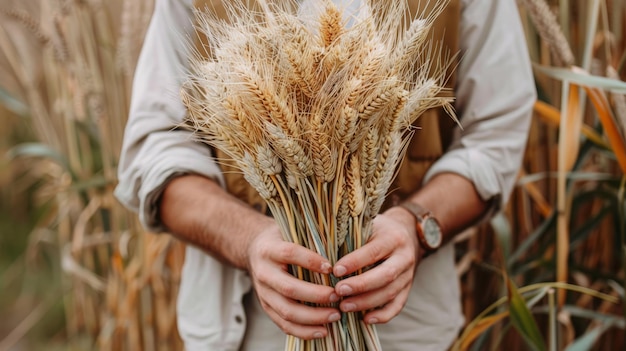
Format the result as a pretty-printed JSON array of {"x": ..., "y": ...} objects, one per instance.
[{"x": 78, "y": 273}]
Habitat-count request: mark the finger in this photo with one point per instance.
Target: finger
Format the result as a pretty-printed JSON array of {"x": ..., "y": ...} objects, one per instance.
[
  {"x": 301, "y": 314},
  {"x": 378, "y": 297},
  {"x": 298, "y": 319},
  {"x": 372, "y": 252},
  {"x": 301, "y": 331},
  {"x": 290, "y": 253},
  {"x": 296, "y": 289},
  {"x": 375, "y": 278},
  {"x": 389, "y": 311}
]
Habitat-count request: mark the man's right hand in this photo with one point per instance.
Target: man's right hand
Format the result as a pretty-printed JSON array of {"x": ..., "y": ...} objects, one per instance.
[
  {"x": 198, "y": 211},
  {"x": 282, "y": 295}
]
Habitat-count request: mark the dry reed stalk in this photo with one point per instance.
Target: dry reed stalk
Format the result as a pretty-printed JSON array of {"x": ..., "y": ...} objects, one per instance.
[
  {"x": 619, "y": 101},
  {"x": 327, "y": 118}
]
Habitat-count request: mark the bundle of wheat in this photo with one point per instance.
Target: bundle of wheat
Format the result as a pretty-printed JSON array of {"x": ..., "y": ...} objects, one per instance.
[{"x": 317, "y": 119}]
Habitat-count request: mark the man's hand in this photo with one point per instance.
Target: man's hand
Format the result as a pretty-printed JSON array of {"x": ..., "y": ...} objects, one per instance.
[
  {"x": 383, "y": 289},
  {"x": 282, "y": 295},
  {"x": 199, "y": 211}
]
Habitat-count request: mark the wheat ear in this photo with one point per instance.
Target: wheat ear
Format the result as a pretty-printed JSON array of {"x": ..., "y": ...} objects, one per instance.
[
  {"x": 303, "y": 54},
  {"x": 354, "y": 185},
  {"x": 548, "y": 27},
  {"x": 330, "y": 24},
  {"x": 261, "y": 182}
]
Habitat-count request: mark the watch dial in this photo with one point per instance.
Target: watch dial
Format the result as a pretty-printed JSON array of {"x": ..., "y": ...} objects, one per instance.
[{"x": 432, "y": 232}]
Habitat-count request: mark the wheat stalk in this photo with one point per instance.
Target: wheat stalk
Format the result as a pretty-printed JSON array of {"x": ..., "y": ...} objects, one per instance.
[
  {"x": 317, "y": 121},
  {"x": 548, "y": 28}
]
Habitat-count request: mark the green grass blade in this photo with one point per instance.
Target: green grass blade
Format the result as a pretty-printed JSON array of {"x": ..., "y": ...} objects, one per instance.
[
  {"x": 578, "y": 176},
  {"x": 552, "y": 324},
  {"x": 604, "y": 318},
  {"x": 588, "y": 340},
  {"x": 13, "y": 104},
  {"x": 525, "y": 246},
  {"x": 502, "y": 229},
  {"x": 522, "y": 319},
  {"x": 38, "y": 150},
  {"x": 582, "y": 79}
]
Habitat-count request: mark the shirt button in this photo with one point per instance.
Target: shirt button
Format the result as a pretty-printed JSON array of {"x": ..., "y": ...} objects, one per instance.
[{"x": 238, "y": 319}]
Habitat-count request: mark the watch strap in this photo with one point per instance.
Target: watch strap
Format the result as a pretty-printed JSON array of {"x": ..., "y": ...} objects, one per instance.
[{"x": 418, "y": 211}]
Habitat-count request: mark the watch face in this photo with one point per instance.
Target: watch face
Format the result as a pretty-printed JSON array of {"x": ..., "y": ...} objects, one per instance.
[{"x": 432, "y": 232}]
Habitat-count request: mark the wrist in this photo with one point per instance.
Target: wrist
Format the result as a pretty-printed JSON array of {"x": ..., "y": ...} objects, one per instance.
[
  {"x": 407, "y": 220},
  {"x": 265, "y": 227},
  {"x": 404, "y": 217}
]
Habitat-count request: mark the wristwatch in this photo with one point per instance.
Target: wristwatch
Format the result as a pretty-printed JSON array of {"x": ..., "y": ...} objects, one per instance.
[{"x": 427, "y": 227}]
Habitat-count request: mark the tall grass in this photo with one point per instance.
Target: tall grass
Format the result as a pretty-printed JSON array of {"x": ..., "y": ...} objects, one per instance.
[
  {"x": 565, "y": 222},
  {"x": 67, "y": 71}
]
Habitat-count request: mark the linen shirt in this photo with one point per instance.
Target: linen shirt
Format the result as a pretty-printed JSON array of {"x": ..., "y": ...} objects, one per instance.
[{"x": 216, "y": 308}]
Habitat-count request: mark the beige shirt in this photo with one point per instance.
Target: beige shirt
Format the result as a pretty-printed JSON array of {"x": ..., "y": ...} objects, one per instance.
[{"x": 495, "y": 94}]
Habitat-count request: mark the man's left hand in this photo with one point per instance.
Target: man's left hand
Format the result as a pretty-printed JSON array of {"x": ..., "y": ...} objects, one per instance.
[{"x": 383, "y": 290}]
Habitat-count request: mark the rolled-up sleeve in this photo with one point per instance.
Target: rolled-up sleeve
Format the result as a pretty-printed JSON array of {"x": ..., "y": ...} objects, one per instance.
[
  {"x": 495, "y": 94},
  {"x": 154, "y": 151}
]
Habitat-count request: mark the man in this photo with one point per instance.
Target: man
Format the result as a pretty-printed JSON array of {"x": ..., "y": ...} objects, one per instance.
[{"x": 175, "y": 186}]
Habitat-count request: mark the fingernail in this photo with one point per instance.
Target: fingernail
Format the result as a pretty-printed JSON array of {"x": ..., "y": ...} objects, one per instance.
[
  {"x": 348, "y": 307},
  {"x": 334, "y": 297},
  {"x": 372, "y": 320},
  {"x": 340, "y": 270},
  {"x": 334, "y": 317},
  {"x": 318, "y": 335},
  {"x": 345, "y": 290},
  {"x": 327, "y": 267}
]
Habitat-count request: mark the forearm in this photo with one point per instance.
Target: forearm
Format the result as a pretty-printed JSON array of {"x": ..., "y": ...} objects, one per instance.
[{"x": 198, "y": 211}]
